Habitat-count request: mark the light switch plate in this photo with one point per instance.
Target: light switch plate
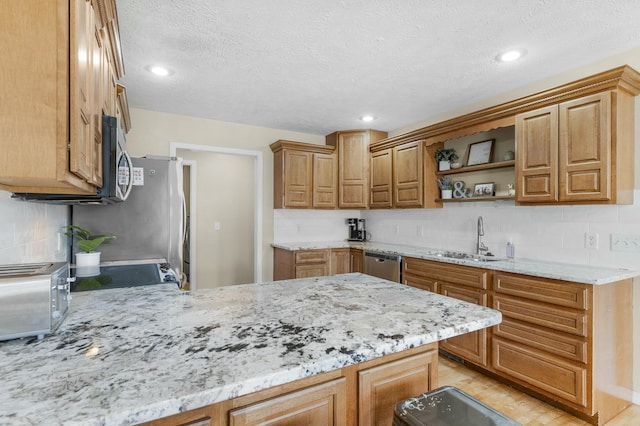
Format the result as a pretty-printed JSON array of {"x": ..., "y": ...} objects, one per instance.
[{"x": 625, "y": 242}]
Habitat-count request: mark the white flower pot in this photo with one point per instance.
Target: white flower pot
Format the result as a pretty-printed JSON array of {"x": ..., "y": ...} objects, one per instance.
[
  {"x": 444, "y": 165},
  {"x": 88, "y": 259},
  {"x": 446, "y": 193}
]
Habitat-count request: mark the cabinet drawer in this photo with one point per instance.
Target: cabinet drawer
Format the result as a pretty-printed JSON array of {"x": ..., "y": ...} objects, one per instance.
[
  {"x": 572, "y": 295},
  {"x": 311, "y": 256},
  {"x": 567, "y": 346},
  {"x": 313, "y": 270},
  {"x": 456, "y": 274},
  {"x": 422, "y": 283},
  {"x": 324, "y": 404},
  {"x": 542, "y": 370},
  {"x": 567, "y": 320}
]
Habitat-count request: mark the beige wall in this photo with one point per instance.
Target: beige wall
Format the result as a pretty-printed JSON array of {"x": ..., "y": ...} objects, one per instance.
[
  {"x": 225, "y": 195},
  {"x": 152, "y": 132}
]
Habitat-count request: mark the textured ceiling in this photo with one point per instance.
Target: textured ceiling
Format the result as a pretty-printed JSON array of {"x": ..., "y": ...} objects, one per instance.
[{"x": 317, "y": 66}]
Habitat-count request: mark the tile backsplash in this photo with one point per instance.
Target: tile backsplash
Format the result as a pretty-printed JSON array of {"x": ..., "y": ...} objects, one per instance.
[
  {"x": 552, "y": 233},
  {"x": 29, "y": 231}
]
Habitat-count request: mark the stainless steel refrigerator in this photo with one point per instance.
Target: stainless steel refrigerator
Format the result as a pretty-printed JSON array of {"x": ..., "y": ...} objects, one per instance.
[{"x": 150, "y": 223}]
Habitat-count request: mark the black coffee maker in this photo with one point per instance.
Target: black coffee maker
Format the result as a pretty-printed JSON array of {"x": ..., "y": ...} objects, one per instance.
[{"x": 357, "y": 230}]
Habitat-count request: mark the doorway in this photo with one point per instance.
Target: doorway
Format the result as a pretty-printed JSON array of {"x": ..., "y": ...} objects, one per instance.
[{"x": 225, "y": 211}]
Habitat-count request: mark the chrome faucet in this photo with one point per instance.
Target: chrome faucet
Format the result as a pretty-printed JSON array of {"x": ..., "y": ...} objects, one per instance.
[{"x": 480, "y": 247}]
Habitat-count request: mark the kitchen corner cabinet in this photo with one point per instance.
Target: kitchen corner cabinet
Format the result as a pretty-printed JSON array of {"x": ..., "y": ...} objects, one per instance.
[
  {"x": 288, "y": 264},
  {"x": 398, "y": 176},
  {"x": 56, "y": 73},
  {"x": 459, "y": 282},
  {"x": 362, "y": 394},
  {"x": 305, "y": 175},
  {"x": 353, "y": 165}
]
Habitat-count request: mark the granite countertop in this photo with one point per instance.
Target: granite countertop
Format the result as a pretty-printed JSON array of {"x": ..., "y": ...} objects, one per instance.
[
  {"x": 560, "y": 271},
  {"x": 129, "y": 355}
]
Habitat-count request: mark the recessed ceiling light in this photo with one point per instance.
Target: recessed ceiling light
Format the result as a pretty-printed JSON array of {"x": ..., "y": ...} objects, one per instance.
[
  {"x": 367, "y": 118},
  {"x": 511, "y": 55},
  {"x": 159, "y": 70}
]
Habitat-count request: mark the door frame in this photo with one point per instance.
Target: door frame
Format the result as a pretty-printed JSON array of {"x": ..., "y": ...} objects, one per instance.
[{"x": 258, "y": 194}]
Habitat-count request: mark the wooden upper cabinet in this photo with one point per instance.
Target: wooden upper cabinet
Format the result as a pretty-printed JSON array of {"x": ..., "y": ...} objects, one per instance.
[
  {"x": 353, "y": 165},
  {"x": 325, "y": 181},
  {"x": 585, "y": 148},
  {"x": 408, "y": 175},
  {"x": 398, "y": 177},
  {"x": 55, "y": 68},
  {"x": 381, "y": 179},
  {"x": 304, "y": 175},
  {"x": 537, "y": 155},
  {"x": 577, "y": 151}
]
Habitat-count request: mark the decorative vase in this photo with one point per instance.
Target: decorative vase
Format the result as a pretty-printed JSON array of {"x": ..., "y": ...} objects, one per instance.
[
  {"x": 444, "y": 165},
  {"x": 446, "y": 193},
  {"x": 87, "y": 259}
]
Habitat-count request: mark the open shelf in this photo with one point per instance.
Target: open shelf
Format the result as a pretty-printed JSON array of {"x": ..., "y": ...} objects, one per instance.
[
  {"x": 488, "y": 166},
  {"x": 466, "y": 200}
]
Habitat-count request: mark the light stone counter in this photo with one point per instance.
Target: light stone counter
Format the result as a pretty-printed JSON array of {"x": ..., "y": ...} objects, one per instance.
[
  {"x": 124, "y": 356},
  {"x": 560, "y": 271}
]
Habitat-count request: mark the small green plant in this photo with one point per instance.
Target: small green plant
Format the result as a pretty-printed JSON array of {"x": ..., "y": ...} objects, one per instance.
[
  {"x": 443, "y": 154},
  {"x": 84, "y": 240},
  {"x": 445, "y": 183}
]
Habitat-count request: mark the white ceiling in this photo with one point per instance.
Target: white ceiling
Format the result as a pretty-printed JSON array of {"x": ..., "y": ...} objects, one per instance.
[{"x": 317, "y": 66}]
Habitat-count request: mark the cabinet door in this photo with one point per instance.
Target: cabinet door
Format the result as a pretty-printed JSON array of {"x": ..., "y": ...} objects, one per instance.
[
  {"x": 340, "y": 261},
  {"x": 471, "y": 346},
  {"x": 552, "y": 374},
  {"x": 82, "y": 138},
  {"x": 313, "y": 270},
  {"x": 325, "y": 181},
  {"x": 407, "y": 175},
  {"x": 357, "y": 260},
  {"x": 381, "y": 181},
  {"x": 537, "y": 155},
  {"x": 585, "y": 148},
  {"x": 423, "y": 283},
  {"x": 320, "y": 405},
  {"x": 353, "y": 152},
  {"x": 381, "y": 388},
  {"x": 298, "y": 179},
  {"x": 97, "y": 50}
]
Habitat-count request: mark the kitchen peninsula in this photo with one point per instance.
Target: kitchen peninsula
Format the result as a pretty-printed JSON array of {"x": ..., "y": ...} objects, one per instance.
[{"x": 125, "y": 356}]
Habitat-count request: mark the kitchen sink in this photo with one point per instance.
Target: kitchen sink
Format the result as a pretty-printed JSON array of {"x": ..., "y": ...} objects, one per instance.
[{"x": 466, "y": 256}]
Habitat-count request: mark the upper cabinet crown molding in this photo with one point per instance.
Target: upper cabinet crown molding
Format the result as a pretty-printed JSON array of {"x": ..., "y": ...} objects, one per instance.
[{"x": 622, "y": 78}]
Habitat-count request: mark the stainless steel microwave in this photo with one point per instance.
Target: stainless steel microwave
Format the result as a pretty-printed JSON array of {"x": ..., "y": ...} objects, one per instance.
[{"x": 117, "y": 171}]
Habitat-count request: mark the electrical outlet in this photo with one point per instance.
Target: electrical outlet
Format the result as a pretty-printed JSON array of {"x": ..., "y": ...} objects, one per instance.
[
  {"x": 591, "y": 240},
  {"x": 625, "y": 242},
  {"x": 216, "y": 226},
  {"x": 420, "y": 231},
  {"x": 396, "y": 229}
]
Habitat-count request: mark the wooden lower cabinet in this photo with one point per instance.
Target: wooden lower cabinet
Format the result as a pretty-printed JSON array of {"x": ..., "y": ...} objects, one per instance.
[
  {"x": 358, "y": 395},
  {"x": 459, "y": 282},
  {"x": 564, "y": 342},
  {"x": 382, "y": 387},
  {"x": 340, "y": 261},
  {"x": 568, "y": 343},
  {"x": 288, "y": 264},
  {"x": 324, "y": 404},
  {"x": 357, "y": 260}
]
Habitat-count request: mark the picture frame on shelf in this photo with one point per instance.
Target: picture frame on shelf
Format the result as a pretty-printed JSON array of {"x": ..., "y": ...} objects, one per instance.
[
  {"x": 484, "y": 189},
  {"x": 480, "y": 152}
]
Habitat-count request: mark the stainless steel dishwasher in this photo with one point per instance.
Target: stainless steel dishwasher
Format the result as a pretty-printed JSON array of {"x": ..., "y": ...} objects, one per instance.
[{"x": 387, "y": 266}]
